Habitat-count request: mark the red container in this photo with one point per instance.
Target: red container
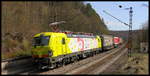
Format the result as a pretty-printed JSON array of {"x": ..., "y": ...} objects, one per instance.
[{"x": 116, "y": 40}]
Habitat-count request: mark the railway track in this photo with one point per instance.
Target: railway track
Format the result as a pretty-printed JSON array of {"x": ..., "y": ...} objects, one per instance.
[
  {"x": 91, "y": 65},
  {"x": 99, "y": 65}
]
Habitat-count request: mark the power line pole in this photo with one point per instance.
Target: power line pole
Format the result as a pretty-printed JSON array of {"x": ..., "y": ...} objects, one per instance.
[
  {"x": 130, "y": 31},
  {"x": 130, "y": 28}
]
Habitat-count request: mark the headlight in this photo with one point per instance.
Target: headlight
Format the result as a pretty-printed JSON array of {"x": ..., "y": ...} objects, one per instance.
[{"x": 50, "y": 53}]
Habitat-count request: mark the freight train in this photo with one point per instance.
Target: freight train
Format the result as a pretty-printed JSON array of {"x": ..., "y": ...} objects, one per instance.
[{"x": 54, "y": 49}]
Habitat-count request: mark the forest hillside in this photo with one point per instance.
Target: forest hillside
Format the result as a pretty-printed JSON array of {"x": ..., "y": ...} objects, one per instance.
[{"x": 22, "y": 20}]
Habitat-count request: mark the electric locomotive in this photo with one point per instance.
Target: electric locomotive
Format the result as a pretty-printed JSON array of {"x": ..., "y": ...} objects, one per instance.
[{"x": 52, "y": 49}]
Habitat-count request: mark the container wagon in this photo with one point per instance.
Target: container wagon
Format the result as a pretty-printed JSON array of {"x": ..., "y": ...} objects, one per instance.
[
  {"x": 107, "y": 42},
  {"x": 116, "y": 41}
]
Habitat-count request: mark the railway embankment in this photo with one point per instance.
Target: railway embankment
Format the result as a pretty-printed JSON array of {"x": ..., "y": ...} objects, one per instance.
[
  {"x": 137, "y": 64},
  {"x": 14, "y": 66}
]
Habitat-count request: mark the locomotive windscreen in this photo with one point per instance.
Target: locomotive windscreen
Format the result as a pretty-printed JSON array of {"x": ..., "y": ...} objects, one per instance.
[{"x": 41, "y": 41}]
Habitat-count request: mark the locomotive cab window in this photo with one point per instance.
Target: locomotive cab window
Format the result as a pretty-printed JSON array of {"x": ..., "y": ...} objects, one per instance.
[
  {"x": 41, "y": 41},
  {"x": 63, "y": 40}
]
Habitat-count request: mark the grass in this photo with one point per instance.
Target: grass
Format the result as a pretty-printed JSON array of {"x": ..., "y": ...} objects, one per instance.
[
  {"x": 137, "y": 64},
  {"x": 16, "y": 54},
  {"x": 16, "y": 48}
]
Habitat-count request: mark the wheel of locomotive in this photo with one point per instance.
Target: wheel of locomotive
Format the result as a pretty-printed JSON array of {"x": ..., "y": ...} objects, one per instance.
[
  {"x": 42, "y": 67},
  {"x": 97, "y": 51},
  {"x": 68, "y": 60},
  {"x": 83, "y": 55},
  {"x": 91, "y": 53},
  {"x": 76, "y": 59},
  {"x": 59, "y": 64},
  {"x": 64, "y": 62},
  {"x": 87, "y": 54},
  {"x": 80, "y": 56},
  {"x": 73, "y": 59},
  {"x": 94, "y": 52},
  {"x": 52, "y": 66}
]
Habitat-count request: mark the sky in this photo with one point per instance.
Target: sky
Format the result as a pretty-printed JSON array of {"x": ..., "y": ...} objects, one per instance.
[{"x": 140, "y": 13}]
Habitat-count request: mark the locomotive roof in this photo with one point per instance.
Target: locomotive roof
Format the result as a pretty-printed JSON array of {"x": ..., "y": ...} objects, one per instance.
[
  {"x": 68, "y": 35},
  {"x": 81, "y": 36}
]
